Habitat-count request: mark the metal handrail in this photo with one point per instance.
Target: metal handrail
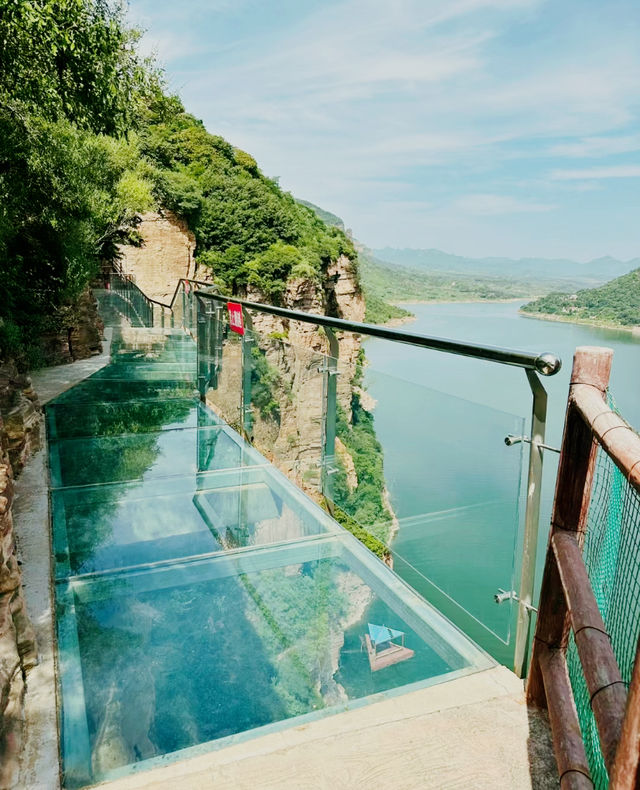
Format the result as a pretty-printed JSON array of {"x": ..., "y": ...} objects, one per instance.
[
  {"x": 169, "y": 306},
  {"x": 546, "y": 363}
]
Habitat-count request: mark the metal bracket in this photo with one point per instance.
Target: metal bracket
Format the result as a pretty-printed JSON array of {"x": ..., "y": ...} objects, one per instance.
[
  {"x": 511, "y": 595},
  {"x": 510, "y": 440},
  {"x": 326, "y": 369}
]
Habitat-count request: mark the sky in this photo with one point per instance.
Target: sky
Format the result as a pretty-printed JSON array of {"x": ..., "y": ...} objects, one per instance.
[{"x": 479, "y": 127}]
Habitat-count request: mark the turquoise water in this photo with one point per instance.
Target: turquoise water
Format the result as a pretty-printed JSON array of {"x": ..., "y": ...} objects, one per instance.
[
  {"x": 200, "y": 595},
  {"x": 442, "y": 420}
]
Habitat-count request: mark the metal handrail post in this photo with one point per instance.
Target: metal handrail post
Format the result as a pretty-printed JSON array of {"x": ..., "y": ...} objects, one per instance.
[
  {"x": 330, "y": 406},
  {"x": 531, "y": 523},
  {"x": 247, "y": 370},
  {"x": 200, "y": 330}
]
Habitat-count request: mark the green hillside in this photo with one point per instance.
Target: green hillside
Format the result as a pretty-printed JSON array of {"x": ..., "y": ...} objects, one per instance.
[
  {"x": 326, "y": 216},
  {"x": 617, "y": 303},
  {"x": 89, "y": 139}
]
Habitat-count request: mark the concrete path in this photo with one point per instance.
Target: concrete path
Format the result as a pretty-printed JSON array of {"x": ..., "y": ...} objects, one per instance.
[
  {"x": 39, "y": 768},
  {"x": 50, "y": 382},
  {"x": 474, "y": 733}
]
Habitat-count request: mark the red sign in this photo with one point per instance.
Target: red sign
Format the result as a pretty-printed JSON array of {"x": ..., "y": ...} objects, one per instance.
[{"x": 236, "y": 321}]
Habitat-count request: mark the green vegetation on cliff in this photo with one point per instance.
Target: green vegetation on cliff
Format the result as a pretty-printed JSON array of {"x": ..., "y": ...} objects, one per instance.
[
  {"x": 248, "y": 231},
  {"x": 326, "y": 216},
  {"x": 88, "y": 140},
  {"x": 71, "y": 177},
  {"x": 617, "y": 303},
  {"x": 380, "y": 312},
  {"x": 365, "y": 502}
]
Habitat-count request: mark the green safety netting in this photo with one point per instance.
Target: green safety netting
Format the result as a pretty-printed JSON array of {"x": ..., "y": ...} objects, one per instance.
[{"x": 612, "y": 558}]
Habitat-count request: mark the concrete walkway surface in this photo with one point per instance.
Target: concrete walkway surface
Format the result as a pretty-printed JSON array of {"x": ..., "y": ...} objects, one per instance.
[
  {"x": 50, "y": 382},
  {"x": 474, "y": 733},
  {"x": 39, "y": 769}
]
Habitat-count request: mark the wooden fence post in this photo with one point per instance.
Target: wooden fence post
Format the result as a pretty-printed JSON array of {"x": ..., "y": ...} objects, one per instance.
[{"x": 591, "y": 366}]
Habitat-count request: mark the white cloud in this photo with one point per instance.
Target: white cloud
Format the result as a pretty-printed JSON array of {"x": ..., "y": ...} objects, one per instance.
[
  {"x": 486, "y": 204},
  {"x": 446, "y": 105},
  {"x": 596, "y": 147},
  {"x": 615, "y": 171}
]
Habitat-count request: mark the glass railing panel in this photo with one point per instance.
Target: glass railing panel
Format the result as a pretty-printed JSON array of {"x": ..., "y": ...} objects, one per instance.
[
  {"x": 275, "y": 634},
  {"x": 125, "y": 297},
  {"x": 220, "y": 372},
  {"x": 428, "y": 475},
  {"x": 284, "y": 393}
]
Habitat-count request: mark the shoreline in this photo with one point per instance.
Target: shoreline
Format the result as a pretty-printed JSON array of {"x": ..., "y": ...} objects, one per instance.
[
  {"x": 407, "y": 319},
  {"x": 463, "y": 301},
  {"x": 633, "y": 330}
]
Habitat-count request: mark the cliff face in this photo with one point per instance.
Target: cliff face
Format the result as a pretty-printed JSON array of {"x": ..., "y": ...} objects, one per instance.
[
  {"x": 289, "y": 364},
  {"x": 19, "y": 435},
  {"x": 166, "y": 255},
  {"x": 76, "y": 332}
]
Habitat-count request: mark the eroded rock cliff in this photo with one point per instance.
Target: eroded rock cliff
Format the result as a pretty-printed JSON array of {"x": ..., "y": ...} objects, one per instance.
[
  {"x": 76, "y": 332},
  {"x": 165, "y": 255},
  {"x": 19, "y": 436}
]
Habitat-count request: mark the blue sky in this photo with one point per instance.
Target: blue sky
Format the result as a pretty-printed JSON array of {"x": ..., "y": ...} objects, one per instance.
[{"x": 480, "y": 127}]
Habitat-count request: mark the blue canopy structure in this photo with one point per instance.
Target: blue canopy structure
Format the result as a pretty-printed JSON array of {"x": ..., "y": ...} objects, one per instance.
[{"x": 380, "y": 634}]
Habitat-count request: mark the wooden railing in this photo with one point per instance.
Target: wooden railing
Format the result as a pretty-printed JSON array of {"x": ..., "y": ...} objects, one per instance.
[{"x": 567, "y": 601}]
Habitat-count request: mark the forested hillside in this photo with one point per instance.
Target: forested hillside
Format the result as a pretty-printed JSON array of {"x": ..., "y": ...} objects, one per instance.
[
  {"x": 89, "y": 138},
  {"x": 615, "y": 304}
]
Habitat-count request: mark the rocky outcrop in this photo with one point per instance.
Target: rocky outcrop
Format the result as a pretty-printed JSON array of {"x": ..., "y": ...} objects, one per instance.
[
  {"x": 165, "y": 255},
  {"x": 20, "y": 414},
  {"x": 76, "y": 332},
  {"x": 18, "y": 436},
  {"x": 289, "y": 377}
]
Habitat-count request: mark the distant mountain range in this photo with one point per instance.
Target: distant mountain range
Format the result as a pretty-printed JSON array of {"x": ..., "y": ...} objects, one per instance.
[{"x": 576, "y": 274}]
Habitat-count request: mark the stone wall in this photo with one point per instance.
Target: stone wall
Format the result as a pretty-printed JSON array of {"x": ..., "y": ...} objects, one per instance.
[
  {"x": 166, "y": 255},
  {"x": 77, "y": 334},
  {"x": 19, "y": 436}
]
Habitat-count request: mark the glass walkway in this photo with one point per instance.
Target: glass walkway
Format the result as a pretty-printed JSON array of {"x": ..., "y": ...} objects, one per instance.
[{"x": 201, "y": 596}]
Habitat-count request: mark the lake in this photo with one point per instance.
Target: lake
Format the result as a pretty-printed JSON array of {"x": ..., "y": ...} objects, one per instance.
[{"x": 457, "y": 489}]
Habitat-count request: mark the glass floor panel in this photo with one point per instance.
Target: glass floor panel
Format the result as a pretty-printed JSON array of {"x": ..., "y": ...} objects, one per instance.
[
  {"x": 160, "y": 661},
  {"x": 96, "y": 390},
  {"x": 149, "y": 371},
  {"x": 107, "y": 527},
  {"x": 113, "y": 418},
  {"x": 201, "y": 596},
  {"x": 110, "y": 459}
]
